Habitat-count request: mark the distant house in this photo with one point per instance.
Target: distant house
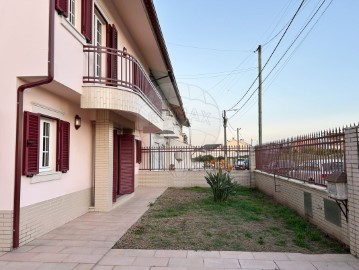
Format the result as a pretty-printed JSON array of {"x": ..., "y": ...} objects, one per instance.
[
  {"x": 234, "y": 142},
  {"x": 84, "y": 85}
]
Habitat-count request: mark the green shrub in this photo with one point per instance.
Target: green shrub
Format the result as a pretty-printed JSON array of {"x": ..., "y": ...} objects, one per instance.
[{"x": 221, "y": 184}]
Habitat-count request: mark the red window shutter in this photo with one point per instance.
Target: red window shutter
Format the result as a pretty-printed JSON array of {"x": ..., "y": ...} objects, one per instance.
[
  {"x": 112, "y": 61},
  {"x": 115, "y": 166},
  {"x": 63, "y": 146},
  {"x": 138, "y": 151},
  {"x": 86, "y": 19},
  {"x": 109, "y": 56},
  {"x": 127, "y": 166},
  {"x": 114, "y": 57},
  {"x": 31, "y": 144},
  {"x": 62, "y": 7},
  {"x": 135, "y": 73}
]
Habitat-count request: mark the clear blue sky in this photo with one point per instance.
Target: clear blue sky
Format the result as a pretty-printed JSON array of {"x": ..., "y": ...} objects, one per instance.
[{"x": 211, "y": 46}]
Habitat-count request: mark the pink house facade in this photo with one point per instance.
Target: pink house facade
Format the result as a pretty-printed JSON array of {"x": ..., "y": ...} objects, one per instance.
[{"x": 86, "y": 83}]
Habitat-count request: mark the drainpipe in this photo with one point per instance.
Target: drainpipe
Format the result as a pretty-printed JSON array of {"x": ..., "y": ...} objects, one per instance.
[{"x": 20, "y": 120}]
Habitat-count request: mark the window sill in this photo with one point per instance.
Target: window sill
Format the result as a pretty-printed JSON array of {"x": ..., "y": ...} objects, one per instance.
[
  {"x": 45, "y": 176},
  {"x": 73, "y": 31}
]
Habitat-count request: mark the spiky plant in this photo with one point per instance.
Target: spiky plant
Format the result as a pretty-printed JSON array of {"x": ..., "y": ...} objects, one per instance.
[{"x": 221, "y": 184}]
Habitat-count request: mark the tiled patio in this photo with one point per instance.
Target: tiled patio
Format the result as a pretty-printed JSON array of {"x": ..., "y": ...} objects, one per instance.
[{"x": 86, "y": 242}]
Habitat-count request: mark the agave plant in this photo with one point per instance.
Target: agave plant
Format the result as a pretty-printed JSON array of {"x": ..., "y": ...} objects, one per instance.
[{"x": 221, "y": 184}]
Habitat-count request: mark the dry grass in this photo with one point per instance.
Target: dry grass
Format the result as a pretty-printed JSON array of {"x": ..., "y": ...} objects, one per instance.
[{"x": 249, "y": 221}]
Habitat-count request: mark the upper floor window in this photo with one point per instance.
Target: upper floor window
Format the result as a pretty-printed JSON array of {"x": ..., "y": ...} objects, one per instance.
[{"x": 72, "y": 12}]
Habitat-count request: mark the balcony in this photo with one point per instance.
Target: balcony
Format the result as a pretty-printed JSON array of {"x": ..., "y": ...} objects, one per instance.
[{"x": 108, "y": 68}]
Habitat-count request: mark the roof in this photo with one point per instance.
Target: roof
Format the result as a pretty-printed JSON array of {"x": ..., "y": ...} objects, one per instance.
[{"x": 178, "y": 109}]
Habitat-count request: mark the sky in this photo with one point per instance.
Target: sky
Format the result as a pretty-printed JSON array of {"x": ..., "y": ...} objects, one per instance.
[{"x": 212, "y": 48}]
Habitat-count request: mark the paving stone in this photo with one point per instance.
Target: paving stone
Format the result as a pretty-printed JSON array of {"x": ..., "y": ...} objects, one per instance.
[
  {"x": 332, "y": 266},
  {"x": 83, "y": 258},
  {"x": 84, "y": 266},
  {"x": 354, "y": 264},
  {"x": 20, "y": 257},
  {"x": 261, "y": 264},
  {"x": 221, "y": 263},
  {"x": 146, "y": 261},
  {"x": 47, "y": 249},
  {"x": 22, "y": 249},
  {"x": 237, "y": 255},
  {"x": 49, "y": 257},
  {"x": 132, "y": 268},
  {"x": 21, "y": 266},
  {"x": 295, "y": 265},
  {"x": 171, "y": 253},
  {"x": 132, "y": 252},
  {"x": 168, "y": 268},
  {"x": 103, "y": 267},
  {"x": 116, "y": 260},
  {"x": 270, "y": 256},
  {"x": 186, "y": 262},
  {"x": 57, "y": 266},
  {"x": 203, "y": 254}
]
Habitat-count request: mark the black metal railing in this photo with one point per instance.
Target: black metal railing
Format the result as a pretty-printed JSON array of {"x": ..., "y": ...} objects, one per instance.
[
  {"x": 118, "y": 68},
  {"x": 195, "y": 157},
  {"x": 310, "y": 158}
]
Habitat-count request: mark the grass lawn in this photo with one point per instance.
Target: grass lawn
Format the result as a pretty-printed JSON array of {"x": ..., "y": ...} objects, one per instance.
[{"x": 188, "y": 218}]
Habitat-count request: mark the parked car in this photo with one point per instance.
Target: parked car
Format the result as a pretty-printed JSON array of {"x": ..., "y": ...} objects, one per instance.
[
  {"x": 316, "y": 170},
  {"x": 242, "y": 164}
]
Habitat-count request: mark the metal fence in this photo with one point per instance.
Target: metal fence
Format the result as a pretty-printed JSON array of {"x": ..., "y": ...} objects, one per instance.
[
  {"x": 195, "y": 157},
  {"x": 310, "y": 158}
]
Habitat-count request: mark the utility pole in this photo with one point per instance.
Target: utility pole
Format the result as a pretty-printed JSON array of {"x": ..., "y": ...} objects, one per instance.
[
  {"x": 225, "y": 134},
  {"x": 260, "y": 94},
  {"x": 238, "y": 143}
]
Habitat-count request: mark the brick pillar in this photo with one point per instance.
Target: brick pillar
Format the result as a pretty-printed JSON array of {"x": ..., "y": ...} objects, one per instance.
[
  {"x": 103, "y": 161},
  {"x": 252, "y": 166},
  {"x": 352, "y": 167}
]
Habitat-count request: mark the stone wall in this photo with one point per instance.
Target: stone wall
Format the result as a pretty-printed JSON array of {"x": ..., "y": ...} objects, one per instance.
[{"x": 181, "y": 178}]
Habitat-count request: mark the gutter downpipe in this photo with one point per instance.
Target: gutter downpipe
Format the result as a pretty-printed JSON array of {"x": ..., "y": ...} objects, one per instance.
[{"x": 20, "y": 120}]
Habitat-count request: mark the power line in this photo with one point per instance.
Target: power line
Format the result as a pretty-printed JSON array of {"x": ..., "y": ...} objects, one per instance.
[
  {"x": 304, "y": 27},
  {"x": 206, "y": 48},
  {"x": 300, "y": 6},
  {"x": 239, "y": 71}
]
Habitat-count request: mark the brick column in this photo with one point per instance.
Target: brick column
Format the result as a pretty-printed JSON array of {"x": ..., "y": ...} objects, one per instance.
[
  {"x": 352, "y": 167},
  {"x": 103, "y": 161}
]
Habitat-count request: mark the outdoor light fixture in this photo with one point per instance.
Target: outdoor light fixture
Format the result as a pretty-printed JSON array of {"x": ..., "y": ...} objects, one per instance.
[{"x": 77, "y": 121}]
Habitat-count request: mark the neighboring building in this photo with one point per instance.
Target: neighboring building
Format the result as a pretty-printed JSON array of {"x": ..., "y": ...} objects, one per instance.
[
  {"x": 93, "y": 79},
  {"x": 234, "y": 142}
]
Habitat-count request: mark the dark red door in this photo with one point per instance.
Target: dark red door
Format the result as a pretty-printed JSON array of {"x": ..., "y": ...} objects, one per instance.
[
  {"x": 127, "y": 164},
  {"x": 116, "y": 174}
]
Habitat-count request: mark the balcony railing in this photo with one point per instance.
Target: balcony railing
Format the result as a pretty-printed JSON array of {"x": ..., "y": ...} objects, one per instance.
[{"x": 117, "y": 68}]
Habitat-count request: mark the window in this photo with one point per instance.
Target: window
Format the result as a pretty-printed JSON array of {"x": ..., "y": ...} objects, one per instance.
[
  {"x": 45, "y": 145},
  {"x": 98, "y": 42},
  {"x": 72, "y": 11}
]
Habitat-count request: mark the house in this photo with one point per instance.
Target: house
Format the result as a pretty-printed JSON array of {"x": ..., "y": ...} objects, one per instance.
[{"x": 85, "y": 84}]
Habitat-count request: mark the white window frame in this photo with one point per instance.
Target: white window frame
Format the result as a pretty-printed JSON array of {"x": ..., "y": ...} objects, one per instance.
[
  {"x": 97, "y": 35},
  {"x": 72, "y": 12},
  {"x": 47, "y": 167}
]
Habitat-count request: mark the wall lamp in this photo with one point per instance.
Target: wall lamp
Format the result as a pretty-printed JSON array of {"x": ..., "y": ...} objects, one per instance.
[{"x": 77, "y": 121}]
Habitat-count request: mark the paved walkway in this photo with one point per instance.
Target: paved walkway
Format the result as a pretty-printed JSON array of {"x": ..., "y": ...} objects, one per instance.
[{"x": 85, "y": 243}]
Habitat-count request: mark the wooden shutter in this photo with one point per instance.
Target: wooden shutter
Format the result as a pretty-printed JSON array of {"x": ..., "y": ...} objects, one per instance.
[
  {"x": 135, "y": 73},
  {"x": 62, "y": 7},
  {"x": 63, "y": 146},
  {"x": 109, "y": 56},
  {"x": 86, "y": 19},
  {"x": 127, "y": 160},
  {"x": 31, "y": 144},
  {"x": 138, "y": 151},
  {"x": 115, "y": 166},
  {"x": 112, "y": 59},
  {"x": 114, "y": 37}
]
